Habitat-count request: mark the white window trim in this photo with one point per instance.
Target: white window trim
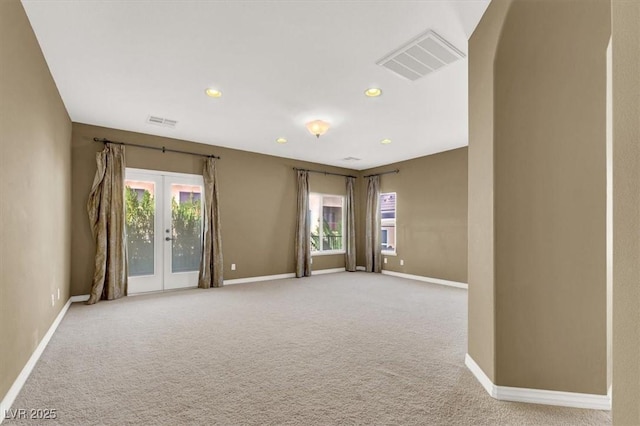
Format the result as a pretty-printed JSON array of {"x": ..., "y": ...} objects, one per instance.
[
  {"x": 331, "y": 252},
  {"x": 327, "y": 252}
]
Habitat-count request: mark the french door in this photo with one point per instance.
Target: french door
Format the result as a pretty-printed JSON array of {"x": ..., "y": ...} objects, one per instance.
[{"x": 164, "y": 229}]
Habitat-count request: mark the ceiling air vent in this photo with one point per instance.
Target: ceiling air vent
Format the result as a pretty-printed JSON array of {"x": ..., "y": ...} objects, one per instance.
[
  {"x": 351, "y": 159},
  {"x": 420, "y": 56},
  {"x": 159, "y": 121}
]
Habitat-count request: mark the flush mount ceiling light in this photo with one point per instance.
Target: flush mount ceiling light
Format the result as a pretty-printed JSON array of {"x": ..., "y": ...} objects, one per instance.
[
  {"x": 213, "y": 93},
  {"x": 281, "y": 140},
  {"x": 385, "y": 141},
  {"x": 317, "y": 127},
  {"x": 373, "y": 92}
]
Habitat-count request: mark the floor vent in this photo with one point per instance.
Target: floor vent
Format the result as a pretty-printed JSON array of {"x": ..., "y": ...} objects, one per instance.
[
  {"x": 424, "y": 54},
  {"x": 159, "y": 121}
]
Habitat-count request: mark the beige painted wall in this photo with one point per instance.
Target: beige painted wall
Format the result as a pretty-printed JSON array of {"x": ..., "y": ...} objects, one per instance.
[
  {"x": 626, "y": 212},
  {"x": 35, "y": 171},
  {"x": 482, "y": 52},
  {"x": 547, "y": 124},
  {"x": 431, "y": 224},
  {"x": 257, "y": 201},
  {"x": 550, "y": 193}
]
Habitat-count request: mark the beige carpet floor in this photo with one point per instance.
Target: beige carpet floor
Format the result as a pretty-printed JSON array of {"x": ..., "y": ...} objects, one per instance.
[{"x": 346, "y": 348}]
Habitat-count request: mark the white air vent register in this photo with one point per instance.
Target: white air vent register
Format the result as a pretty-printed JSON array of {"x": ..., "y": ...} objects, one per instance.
[
  {"x": 421, "y": 56},
  {"x": 159, "y": 121}
]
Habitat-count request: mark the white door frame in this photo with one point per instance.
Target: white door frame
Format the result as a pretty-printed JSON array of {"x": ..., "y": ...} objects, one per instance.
[{"x": 163, "y": 278}]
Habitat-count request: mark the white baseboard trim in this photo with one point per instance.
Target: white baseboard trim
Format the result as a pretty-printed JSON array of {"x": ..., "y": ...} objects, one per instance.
[
  {"x": 361, "y": 268},
  {"x": 260, "y": 278},
  {"x": 16, "y": 387},
  {"x": 538, "y": 396},
  {"x": 427, "y": 279},
  {"x": 328, "y": 271},
  {"x": 279, "y": 276},
  {"x": 85, "y": 297},
  {"x": 484, "y": 380}
]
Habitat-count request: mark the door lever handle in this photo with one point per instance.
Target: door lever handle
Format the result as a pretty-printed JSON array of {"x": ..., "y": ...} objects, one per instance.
[{"x": 168, "y": 238}]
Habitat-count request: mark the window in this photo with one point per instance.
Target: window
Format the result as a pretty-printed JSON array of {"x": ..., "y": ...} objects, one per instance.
[
  {"x": 327, "y": 223},
  {"x": 388, "y": 222},
  {"x": 139, "y": 192},
  {"x": 187, "y": 196}
]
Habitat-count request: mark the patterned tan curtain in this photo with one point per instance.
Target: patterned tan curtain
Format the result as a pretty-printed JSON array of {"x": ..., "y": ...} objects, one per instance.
[
  {"x": 350, "y": 255},
  {"x": 106, "y": 216},
  {"x": 373, "y": 248},
  {"x": 211, "y": 265},
  {"x": 303, "y": 227}
]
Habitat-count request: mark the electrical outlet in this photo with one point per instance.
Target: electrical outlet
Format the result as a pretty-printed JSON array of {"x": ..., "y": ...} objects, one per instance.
[
  {"x": 58, "y": 294},
  {"x": 311, "y": 261},
  {"x": 53, "y": 300},
  {"x": 385, "y": 260},
  {"x": 233, "y": 266},
  {"x": 401, "y": 262}
]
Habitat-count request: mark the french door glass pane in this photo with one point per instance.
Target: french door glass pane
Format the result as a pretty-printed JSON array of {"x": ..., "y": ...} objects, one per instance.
[
  {"x": 186, "y": 226},
  {"x": 140, "y": 212}
]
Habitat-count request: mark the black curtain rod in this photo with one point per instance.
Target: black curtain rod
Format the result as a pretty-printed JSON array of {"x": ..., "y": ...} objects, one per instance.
[
  {"x": 384, "y": 173},
  {"x": 324, "y": 173},
  {"x": 163, "y": 149}
]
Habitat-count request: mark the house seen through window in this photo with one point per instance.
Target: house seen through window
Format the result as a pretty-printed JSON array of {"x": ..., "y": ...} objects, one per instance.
[
  {"x": 327, "y": 223},
  {"x": 388, "y": 222}
]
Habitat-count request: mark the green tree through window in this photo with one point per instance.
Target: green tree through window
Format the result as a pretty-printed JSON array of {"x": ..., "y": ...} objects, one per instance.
[
  {"x": 139, "y": 216},
  {"x": 186, "y": 218},
  {"x": 187, "y": 230}
]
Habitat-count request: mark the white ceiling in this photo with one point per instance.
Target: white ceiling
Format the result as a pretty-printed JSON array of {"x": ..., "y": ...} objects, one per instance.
[{"x": 278, "y": 63}]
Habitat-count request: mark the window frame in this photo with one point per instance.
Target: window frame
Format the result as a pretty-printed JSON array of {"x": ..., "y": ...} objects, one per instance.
[
  {"x": 393, "y": 252},
  {"x": 320, "y": 229}
]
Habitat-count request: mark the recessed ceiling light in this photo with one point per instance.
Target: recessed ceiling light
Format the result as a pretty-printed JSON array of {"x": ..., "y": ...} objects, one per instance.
[
  {"x": 281, "y": 140},
  {"x": 213, "y": 93},
  {"x": 373, "y": 92},
  {"x": 385, "y": 141}
]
